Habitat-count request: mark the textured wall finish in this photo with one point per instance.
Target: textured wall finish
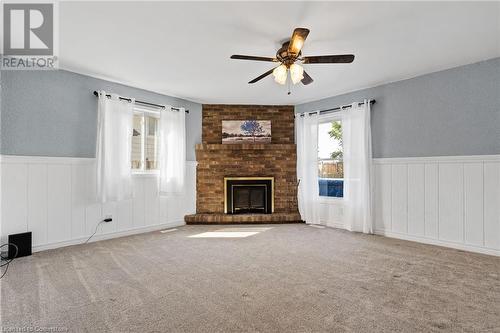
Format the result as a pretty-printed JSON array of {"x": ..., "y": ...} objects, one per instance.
[
  {"x": 54, "y": 113},
  {"x": 448, "y": 113},
  {"x": 452, "y": 112}
]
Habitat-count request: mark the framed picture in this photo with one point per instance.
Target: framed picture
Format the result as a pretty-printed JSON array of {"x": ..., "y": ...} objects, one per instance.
[{"x": 246, "y": 131}]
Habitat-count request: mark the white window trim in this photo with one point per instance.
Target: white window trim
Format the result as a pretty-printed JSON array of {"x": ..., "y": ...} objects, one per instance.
[
  {"x": 139, "y": 110},
  {"x": 327, "y": 119},
  {"x": 151, "y": 112},
  {"x": 331, "y": 200},
  {"x": 146, "y": 173}
]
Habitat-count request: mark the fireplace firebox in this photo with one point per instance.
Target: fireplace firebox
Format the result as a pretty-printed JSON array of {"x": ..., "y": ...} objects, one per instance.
[{"x": 248, "y": 195}]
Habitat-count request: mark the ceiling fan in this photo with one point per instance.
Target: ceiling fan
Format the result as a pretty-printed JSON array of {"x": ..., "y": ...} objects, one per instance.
[{"x": 287, "y": 56}]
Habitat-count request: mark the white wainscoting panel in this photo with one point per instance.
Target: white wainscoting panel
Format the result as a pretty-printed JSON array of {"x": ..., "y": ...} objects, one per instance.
[
  {"x": 37, "y": 202},
  {"x": 54, "y": 197},
  {"x": 492, "y": 204},
  {"x": 383, "y": 199},
  {"x": 399, "y": 198},
  {"x": 416, "y": 202},
  {"x": 451, "y": 208},
  {"x": 15, "y": 201},
  {"x": 473, "y": 204},
  {"x": 79, "y": 199},
  {"x": 449, "y": 201},
  {"x": 431, "y": 201},
  {"x": 58, "y": 202}
]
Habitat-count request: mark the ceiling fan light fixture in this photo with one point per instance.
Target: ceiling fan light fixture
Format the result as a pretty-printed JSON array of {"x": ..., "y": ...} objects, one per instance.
[
  {"x": 289, "y": 53},
  {"x": 280, "y": 74},
  {"x": 296, "y": 73}
]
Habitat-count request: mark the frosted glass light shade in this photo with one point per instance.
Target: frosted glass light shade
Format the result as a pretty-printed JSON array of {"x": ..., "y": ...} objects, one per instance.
[
  {"x": 296, "y": 73},
  {"x": 280, "y": 74}
]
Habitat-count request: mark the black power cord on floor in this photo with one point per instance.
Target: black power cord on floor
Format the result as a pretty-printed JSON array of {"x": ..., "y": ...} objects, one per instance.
[
  {"x": 6, "y": 259},
  {"x": 10, "y": 258},
  {"x": 97, "y": 226}
]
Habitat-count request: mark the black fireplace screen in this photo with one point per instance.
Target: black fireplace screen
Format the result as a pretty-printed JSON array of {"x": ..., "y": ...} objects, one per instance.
[{"x": 248, "y": 195}]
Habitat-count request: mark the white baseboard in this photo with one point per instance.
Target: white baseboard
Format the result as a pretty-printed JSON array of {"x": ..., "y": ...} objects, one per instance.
[
  {"x": 457, "y": 246},
  {"x": 96, "y": 238}
]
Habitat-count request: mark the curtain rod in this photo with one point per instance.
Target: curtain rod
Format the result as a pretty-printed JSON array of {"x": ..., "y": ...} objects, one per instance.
[
  {"x": 335, "y": 109},
  {"x": 141, "y": 102}
]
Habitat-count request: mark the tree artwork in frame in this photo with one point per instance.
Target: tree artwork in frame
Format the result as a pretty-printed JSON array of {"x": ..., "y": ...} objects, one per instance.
[{"x": 246, "y": 131}]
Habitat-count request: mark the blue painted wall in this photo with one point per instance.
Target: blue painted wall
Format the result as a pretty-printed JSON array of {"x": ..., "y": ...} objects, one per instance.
[
  {"x": 452, "y": 112},
  {"x": 54, "y": 113}
]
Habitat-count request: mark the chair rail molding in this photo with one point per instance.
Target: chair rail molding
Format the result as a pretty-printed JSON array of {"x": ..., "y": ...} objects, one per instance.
[{"x": 437, "y": 159}]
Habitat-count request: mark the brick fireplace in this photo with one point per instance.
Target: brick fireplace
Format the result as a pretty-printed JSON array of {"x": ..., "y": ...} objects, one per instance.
[{"x": 218, "y": 163}]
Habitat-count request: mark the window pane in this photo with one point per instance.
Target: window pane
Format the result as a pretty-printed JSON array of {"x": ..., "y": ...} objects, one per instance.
[
  {"x": 151, "y": 143},
  {"x": 152, "y": 124},
  {"x": 330, "y": 163},
  {"x": 331, "y": 169},
  {"x": 137, "y": 143}
]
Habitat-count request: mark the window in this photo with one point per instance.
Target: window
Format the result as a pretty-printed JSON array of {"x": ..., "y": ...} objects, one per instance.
[
  {"x": 145, "y": 141},
  {"x": 330, "y": 157}
]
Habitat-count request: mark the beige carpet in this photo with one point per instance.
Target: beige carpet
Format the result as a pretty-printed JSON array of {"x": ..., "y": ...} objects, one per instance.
[{"x": 288, "y": 278}]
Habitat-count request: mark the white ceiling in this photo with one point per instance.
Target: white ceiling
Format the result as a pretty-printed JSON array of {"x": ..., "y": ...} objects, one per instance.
[{"x": 183, "y": 49}]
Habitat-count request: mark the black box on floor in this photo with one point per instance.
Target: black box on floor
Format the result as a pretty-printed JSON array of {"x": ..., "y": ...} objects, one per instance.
[{"x": 23, "y": 243}]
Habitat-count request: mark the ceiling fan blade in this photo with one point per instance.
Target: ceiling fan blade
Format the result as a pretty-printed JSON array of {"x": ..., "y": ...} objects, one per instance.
[
  {"x": 307, "y": 79},
  {"x": 298, "y": 38},
  {"x": 329, "y": 59},
  {"x": 258, "y": 78},
  {"x": 245, "y": 57}
]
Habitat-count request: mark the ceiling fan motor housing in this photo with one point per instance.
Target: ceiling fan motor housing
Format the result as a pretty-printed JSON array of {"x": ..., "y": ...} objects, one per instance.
[{"x": 285, "y": 57}]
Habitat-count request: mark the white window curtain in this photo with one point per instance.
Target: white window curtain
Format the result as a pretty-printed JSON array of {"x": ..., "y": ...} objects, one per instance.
[
  {"x": 357, "y": 168},
  {"x": 172, "y": 151},
  {"x": 113, "y": 148},
  {"x": 306, "y": 130}
]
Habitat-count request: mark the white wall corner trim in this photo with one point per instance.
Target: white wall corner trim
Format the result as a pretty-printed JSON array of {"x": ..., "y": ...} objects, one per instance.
[{"x": 53, "y": 197}]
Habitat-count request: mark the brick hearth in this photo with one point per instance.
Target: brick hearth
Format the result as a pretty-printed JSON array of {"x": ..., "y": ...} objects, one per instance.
[
  {"x": 243, "y": 218},
  {"x": 216, "y": 161}
]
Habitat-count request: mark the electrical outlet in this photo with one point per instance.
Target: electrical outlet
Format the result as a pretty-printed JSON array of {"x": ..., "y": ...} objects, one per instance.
[{"x": 108, "y": 218}]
